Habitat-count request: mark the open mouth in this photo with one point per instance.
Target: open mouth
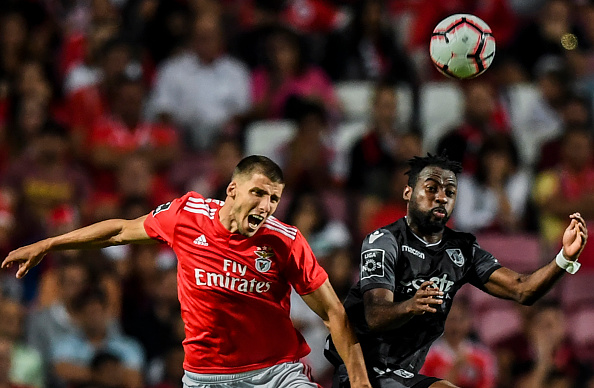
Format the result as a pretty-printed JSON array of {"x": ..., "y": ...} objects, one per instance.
[{"x": 254, "y": 221}]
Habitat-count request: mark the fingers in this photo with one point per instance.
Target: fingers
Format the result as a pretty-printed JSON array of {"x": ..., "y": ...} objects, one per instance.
[{"x": 426, "y": 296}]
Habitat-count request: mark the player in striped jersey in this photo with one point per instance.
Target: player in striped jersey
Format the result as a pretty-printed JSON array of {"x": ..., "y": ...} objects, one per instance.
[{"x": 236, "y": 266}]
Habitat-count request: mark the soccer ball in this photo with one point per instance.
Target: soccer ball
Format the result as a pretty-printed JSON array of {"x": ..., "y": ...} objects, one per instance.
[{"x": 462, "y": 46}]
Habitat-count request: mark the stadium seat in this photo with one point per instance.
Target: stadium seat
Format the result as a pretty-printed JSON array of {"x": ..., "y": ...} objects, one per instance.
[
  {"x": 441, "y": 108},
  {"x": 355, "y": 97},
  {"x": 496, "y": 324},
  {"x": 527, "y": 130},
  {"x": 576, "y": 291},
  {"x": 519, "y": 252},
  {"x": 266, "y": 137}
]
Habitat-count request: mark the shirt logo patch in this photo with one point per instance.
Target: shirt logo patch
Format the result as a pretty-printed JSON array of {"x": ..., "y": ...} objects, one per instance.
[
  {"x": 372, "y": 263},
  {"x": 263, "y": 262},
  {"x": 374, "y": 236},
  {"x": 201, "y": 240},
  {"x": 416, "y": 252},
  {"x": 456, "y": 256},
  {"x": 161, "y": 208}
]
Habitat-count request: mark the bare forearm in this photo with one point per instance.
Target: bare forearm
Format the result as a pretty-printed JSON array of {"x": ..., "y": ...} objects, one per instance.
[
  {"x": 104, "y": 233},
  {"x": 387, "y": 316},
  {"x": 525, "y": 289},
  {"x": 348, "y": 347}
]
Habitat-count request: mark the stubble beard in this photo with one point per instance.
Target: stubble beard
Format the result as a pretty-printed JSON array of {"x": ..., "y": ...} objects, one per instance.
[{"x": 425, "y": 221}]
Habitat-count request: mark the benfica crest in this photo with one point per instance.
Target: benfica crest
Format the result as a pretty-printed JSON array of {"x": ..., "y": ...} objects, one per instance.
[
  {"x": 456, "y": 256},
  {"x": 263, "y": 261}
]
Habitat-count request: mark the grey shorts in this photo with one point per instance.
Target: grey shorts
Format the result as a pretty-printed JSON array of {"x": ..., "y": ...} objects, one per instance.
[{"x": 285, "y": 375}]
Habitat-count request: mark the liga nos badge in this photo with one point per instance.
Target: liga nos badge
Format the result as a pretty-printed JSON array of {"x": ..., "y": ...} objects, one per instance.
[
  {"x": 263, "y": 262},
  {"x": 456, "y": 256}
]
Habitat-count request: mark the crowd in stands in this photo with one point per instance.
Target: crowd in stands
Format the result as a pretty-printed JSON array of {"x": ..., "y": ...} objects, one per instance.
[{"x": 109, "y": 108}]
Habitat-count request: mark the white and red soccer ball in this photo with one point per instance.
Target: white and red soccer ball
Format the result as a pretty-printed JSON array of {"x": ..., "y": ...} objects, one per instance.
[{"x": 462, "y": 46}]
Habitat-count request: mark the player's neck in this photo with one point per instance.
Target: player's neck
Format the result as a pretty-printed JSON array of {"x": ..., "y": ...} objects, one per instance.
[
  {"x": 428, "y": 237},
  {"x": 226, "y": 218}
]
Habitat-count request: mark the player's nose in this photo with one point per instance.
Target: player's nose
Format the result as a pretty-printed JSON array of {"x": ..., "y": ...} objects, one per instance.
[{"x": 265, "y": 204}]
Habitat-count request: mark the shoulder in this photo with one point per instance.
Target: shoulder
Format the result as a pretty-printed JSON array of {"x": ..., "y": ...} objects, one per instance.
[
  {"x": 275, "y": 227},
  {"x": 180, "y": 62},
  {"x": 193, "y": 202},
  {"x": 233, "y": 65},
  {"x": 381, "y": 238},
  {"x": 453, "y": 234}
]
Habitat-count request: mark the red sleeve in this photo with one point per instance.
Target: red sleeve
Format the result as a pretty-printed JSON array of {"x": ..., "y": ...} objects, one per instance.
[
  {"x": 303, "y": 270},
  {"x": 160, "y": 223}
]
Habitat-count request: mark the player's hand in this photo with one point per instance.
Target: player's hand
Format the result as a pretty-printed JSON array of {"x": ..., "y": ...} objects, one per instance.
[
  {"x": 26, "y": 257},
  {"x": 575, "y": 237},
  {"x": 423, "y": 300}
]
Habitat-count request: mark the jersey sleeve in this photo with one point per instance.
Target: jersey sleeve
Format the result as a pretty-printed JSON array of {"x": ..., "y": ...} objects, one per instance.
[
  {"x": 303, "y": 270},
  {"x": 160, "y": 223},
  {"x": 379, "y": 255},
  {"x": 483, "y": 265}
]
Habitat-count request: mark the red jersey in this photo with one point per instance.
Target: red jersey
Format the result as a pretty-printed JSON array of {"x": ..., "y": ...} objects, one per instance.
[
  {"x": 478, "y": 371},
  {"x": 235, "y": 290}
]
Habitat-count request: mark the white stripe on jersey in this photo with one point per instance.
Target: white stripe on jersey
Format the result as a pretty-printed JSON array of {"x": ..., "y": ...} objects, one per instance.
[
  {"x": 282, "y": 231},
  {"x": 210, "y": 214},
  {"x": 198, "y": 200},
  {"x": 198, "y": 205},
  {"x": 276, "y": 223}
]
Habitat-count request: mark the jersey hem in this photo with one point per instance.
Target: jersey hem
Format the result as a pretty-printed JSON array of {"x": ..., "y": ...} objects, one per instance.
[
  {"x": 240, "y": 369},
  {"x": 370, "y": 286},
  {"x": 317, "y": 283}
]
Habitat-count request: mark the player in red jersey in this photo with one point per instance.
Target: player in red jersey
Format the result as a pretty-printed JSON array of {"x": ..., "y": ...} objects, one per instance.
[{"x": 236, "y": 266}]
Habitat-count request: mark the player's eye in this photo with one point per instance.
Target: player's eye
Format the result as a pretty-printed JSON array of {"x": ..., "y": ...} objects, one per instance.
[
  {"x": 431, "y": 189},
  {"x": 450, "y": 193}
]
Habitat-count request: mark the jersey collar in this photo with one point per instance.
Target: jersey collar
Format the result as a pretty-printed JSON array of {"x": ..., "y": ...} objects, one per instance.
[{"x": 420, "y": 239}]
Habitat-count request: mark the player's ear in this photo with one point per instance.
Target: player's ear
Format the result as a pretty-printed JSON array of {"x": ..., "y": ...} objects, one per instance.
[
  {"x": 232, "y": 189},
  {"x": 407, "y": 193}
]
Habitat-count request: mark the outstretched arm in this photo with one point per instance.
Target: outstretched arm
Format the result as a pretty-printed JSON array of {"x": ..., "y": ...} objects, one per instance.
[
  {"x": 326, "y": 304},
  {"x": 101, "y": 234},
  {"x": 527, "y": 289}
]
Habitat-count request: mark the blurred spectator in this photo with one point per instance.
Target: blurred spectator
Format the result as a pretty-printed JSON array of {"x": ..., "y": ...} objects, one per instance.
[
  {"x": 26, "y": 363},
  {"x": 123, "y": 131},
  {"x": 209, "y": 175},
  {"x": 569, "y": 186},
  {"x": 379, "y": 210},
  {"x": 309, "y": 214},
  {"x": 575, "y": 113},
  {"x": 483, "y": 116},
  {"x": 495, "y": 197},
  {"x": 50, "y": 323},
  {"x": 458, "y": 358},
  {"x": 87, "y": 104},
  {"x": 546, "y": 36},
  {"x": 367, "y": 50},
  {"x": 173, "y": 369},
  {"x": 202, "y": 90},
  {"x": 72, "y": 354},
  {"x": 151, "y": 306},
  {"x": 258, "y": 20},
  {"x": 306, "y": 157},
  {"x": 6, "y": 365},
  {"x": 373, "y": 156},
  {"x": 107, "y": 371},
  {"x": 287, "y": 72},
  {"x": 542, "y": 119},
  {"x": 541, "y": 356},
  {"x": 87, "y": 71},
  {"x": 44, "y": 178}
]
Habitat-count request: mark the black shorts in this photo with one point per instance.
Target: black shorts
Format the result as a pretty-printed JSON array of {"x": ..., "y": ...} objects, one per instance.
[{"x": 399, "y": 378}]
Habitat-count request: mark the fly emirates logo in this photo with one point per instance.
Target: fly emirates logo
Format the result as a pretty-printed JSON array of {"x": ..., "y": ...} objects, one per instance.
[{"x": 233, "y": 279}]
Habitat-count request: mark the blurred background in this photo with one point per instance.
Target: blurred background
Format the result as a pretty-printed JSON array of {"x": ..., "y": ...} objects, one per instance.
[{"x": 109, "y": 108}]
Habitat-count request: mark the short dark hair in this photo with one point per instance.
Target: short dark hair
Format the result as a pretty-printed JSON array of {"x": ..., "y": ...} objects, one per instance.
[
  {"x": 259, "y": 164},
  {"x": 418, "y": 163}
]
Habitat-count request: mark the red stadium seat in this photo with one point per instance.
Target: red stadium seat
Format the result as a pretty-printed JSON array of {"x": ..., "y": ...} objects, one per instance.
[{"x": 576, "y": 291}]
